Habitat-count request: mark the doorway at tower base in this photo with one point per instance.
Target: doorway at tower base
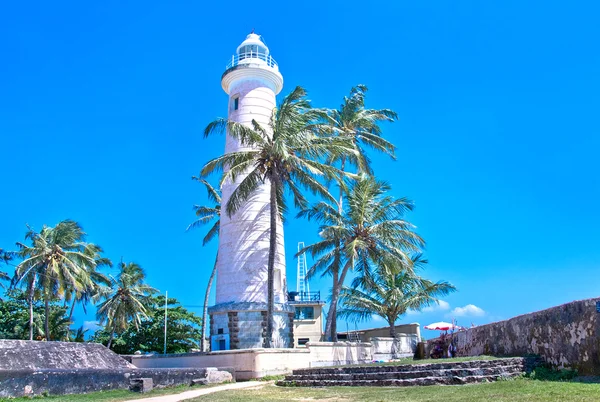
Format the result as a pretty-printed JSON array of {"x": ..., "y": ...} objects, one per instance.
[{"x": 243, "y": 325}]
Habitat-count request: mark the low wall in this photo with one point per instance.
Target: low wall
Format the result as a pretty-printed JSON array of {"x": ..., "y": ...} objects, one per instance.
[
  {"x": 28, "y": 382},
  {"x": 387, "y": 348},
  {"x": 248, "y": 363},
  {"x": 566, "y": 336},
  {"x": 256, "y": 363}
]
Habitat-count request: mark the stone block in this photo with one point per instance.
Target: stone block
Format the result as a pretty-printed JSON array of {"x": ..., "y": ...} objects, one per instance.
[{"x": 142, "y": 385}]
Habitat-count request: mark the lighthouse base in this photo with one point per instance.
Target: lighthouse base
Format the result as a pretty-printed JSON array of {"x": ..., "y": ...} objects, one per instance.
[{"x": 244, "y": 326}]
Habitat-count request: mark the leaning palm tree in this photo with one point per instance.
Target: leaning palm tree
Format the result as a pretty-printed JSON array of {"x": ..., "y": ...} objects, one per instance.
[
  {"x": 287, "y": 155},
  {"x": 55, "y": 262},
  {"x": 126, "y": 300},
  {"x": 390, "y": 292},
  {"x": 370, "y": 228},
  {"x": 205, "y": 215}
]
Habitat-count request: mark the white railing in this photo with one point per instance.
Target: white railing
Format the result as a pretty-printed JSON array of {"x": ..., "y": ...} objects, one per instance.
[{"x": 236, "y": 59}]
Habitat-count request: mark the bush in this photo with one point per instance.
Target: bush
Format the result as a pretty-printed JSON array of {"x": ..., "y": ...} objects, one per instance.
[{"x": 544, "y": 373}]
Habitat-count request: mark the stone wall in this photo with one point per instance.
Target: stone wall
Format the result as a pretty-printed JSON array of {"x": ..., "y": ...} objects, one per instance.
[
  {"x": 245, "y": 325},
  {"x": 19, "y": 355},
  {"x": 566, "y": 336},
  {"x": 27, "y": 382}
]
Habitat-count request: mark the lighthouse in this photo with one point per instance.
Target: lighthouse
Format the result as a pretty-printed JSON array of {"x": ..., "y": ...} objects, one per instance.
[{"x": 239, "y": 318}]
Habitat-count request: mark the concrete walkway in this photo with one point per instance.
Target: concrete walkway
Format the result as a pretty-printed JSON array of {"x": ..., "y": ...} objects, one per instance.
[{"x": 204, "y": 391}]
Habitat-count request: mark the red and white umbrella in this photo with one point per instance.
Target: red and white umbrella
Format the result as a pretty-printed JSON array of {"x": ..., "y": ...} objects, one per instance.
[{"x": 441, "y": 326}]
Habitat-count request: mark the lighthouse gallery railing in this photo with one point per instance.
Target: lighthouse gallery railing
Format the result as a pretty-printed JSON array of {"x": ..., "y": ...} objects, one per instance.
[{"x": 236, "y": 59}]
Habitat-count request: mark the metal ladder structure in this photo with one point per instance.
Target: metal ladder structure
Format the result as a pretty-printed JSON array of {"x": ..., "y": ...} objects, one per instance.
[{"x": 302, "y": 286}]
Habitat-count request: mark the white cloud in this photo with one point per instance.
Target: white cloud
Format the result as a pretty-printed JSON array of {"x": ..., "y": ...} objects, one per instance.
[
  {"x": 91, "y": 325},
  {"x": 440, "y": 306},
  {"x": 470, "y": 310}
]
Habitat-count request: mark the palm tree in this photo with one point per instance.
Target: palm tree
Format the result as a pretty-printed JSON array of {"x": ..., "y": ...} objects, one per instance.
[
  {"x": 205, "y": 215},
  {"x": 369, "y": 229},
  {"x": 5, "y": 257},
  {"x": 287, "y": 155},
  {"x": 390, "y": 292},
  {"x": 55, "y": 262},
  {"x": 361, "y": 127},
  {"x": 97, "y": 280},
  {"x": 126, "y": 300}
]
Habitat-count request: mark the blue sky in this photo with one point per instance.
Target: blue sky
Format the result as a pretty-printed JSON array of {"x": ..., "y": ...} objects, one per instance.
[{"x": 102, "y": 107}]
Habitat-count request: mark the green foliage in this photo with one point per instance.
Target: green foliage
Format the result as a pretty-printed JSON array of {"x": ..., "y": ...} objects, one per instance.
[
  {"x": 5, "y": 257},
  {"x": 183, "y": 330},
  {"x": 14, "y": 318},
  {"x": 390, "y": 290},
  {"x": 126, "y": 300},
  {"x": 544, "y": 373}
]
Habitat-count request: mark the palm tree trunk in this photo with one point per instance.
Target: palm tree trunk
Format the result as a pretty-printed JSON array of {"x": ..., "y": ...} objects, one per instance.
[
  {"x": 31, "y": 288},
  {"x": 47, "y": 318},
  {"x": 110, "y": 339},
  {"x": 72, "y": 308},
  {"x": 205, "y": 312},
  {"x": 271, "y": 264},
  {"x": 331, "y": 323},
  {"x": 335, "y": 293},
  {"x": 394, "y": 340}
]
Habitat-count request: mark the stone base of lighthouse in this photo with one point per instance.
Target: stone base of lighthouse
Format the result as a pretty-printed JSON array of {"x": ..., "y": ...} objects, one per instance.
[{"x": 243, "y": 325}]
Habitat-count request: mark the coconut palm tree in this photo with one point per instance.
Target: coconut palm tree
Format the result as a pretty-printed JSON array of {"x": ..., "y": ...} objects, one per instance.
[
  {"x": 5, "y": 257},
  {"x": 205, "y": 215},
  {"x": 97, "y": 280},
  {"x": 126, "y": 300},
  {"x": 361, "y": 127},
  {"x": 370, "y": 228},
  {"x": 54, "y": 262},
  {"x": 287, "y": 155},
  {"x": 392, "y": 290}
]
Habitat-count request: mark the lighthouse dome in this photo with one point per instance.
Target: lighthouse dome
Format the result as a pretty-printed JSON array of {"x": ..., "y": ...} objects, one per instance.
[{"x": 253, "y": 44}]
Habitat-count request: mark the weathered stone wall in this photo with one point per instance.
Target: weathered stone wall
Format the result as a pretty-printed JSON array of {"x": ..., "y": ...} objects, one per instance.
[
  {"x": 566, "y": 336},
  {"x": 27, "y": 382},
  {"x": 19, "y": 355}
]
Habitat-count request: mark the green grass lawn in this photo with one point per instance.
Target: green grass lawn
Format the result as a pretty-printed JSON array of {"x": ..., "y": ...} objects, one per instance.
[
  {"x": 105, "y": 396},
  {"x": 510, "y": 390}
]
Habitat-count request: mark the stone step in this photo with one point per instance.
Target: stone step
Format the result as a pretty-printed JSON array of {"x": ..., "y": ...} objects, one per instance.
[
  {"x": 417, "y": 373},
  {"x": 411, "y": 367},
  {"x": 446, "y": 380}
]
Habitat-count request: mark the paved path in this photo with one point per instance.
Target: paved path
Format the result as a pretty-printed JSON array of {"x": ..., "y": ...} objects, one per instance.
[{"x": 204, "y": 391}]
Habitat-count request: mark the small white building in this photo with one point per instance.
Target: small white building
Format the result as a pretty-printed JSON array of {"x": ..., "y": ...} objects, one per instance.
[{"x": 308, "y": 317}]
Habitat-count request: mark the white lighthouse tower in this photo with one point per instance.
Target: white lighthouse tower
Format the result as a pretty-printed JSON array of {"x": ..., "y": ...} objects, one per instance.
[{"x": 238, "y": 320}]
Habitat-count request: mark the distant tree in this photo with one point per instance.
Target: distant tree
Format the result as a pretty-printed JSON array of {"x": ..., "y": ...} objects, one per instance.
[
  {"x": 54, "y": 262},
  {"x": 183, "y": 330},
  {"x": 288, "y": 155},
  {"x": 14, "y": 318},
  {"x": 126, "y": 300},
  {"x": 390, "y": 291},
  {"x": 79, "y": 335},
  {"x": 205, "y": 215}
]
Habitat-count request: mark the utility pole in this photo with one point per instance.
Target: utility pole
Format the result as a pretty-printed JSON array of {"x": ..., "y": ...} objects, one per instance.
[{"x": 166, "y": 301}]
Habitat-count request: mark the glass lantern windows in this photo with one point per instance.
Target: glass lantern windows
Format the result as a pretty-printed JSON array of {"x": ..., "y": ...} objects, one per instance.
[{"x": 252, "y": 51}]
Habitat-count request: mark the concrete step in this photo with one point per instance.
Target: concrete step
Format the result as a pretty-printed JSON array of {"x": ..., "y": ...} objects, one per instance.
[
  {"x": 454, "y": 372},
  {"x": 440, "y": 373},
  {"x": 411, "y": 367},
  {"x": 446, "y": 380}
]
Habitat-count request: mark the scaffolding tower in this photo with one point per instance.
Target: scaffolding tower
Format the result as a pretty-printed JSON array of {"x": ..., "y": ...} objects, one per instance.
[{"x": 302, "y": 282}]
